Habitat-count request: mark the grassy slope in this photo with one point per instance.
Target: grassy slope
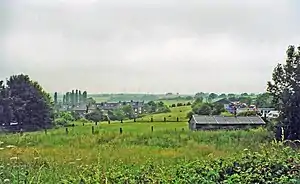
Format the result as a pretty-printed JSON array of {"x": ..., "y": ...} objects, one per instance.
[
  {"x": 65, "y": 154},
  {"x": 180, "y": 112}
]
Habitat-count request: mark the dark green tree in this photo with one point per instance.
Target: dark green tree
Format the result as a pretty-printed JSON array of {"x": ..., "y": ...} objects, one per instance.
[
  {"x": 76, "y": 97},
  {"x": 26, "y": 103},
  {"x": 68, "y": 97},
  {"x": 80, "y": 97},
  {"x": 212, "y": 96},
  {"x": 84, "y": 96},
  {"x": 64, "y": 99},
  {"x": 223, "y": 95},
  {"x": 285, "y": 90},
  {"x": 55, "y": 98},
  {"x": 128, "y": 111},
  {"x": 73, "y": 97},
  {"x": 264, "y": 100},
  {"x": 204, "y": 109}
]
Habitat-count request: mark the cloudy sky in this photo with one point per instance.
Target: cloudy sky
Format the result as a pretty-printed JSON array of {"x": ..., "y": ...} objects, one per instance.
[{"x": 147, "y": 46}]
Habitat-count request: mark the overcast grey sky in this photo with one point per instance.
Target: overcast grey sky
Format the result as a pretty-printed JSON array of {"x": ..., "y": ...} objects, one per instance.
[{"x": 183, "y": 46}]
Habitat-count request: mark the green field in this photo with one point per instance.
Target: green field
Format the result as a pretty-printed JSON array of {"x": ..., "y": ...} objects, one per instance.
[
  {"x": 135, "y": 156},
  {"x": 180, "y": 112}
]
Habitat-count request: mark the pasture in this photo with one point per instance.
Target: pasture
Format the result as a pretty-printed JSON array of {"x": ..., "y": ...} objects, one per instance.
[{"x": 138, "y": 155}]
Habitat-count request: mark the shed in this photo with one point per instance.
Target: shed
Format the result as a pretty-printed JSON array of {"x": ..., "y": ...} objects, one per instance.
[{"x": 201, "y": 122}]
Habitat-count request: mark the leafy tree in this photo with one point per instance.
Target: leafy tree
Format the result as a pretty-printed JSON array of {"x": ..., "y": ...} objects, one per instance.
[
  {"x": 223, "y": 95},
  {"x": 285, "y": 90},
  {"x": 179, "y": 104},
  {"x": 73, "y": 97},
  {"x": 55, "y": 98},
  {"x": 76, "y": 97},
  {"x": 204, "y": 109},
  {"x": 95, "y": 116},
  {"x": 153, "y": 106},
  {"x": 212, "y": 96},
  {"x": 188, "y": 104},
  {"x": 26, "y": 103},
  {"x": 200, "y": 95},
  {"x": 246, "y": 100},
  {"x": 68, "y": 98},
  {"x": 128, "y": 111},
  {"x": 197, "y": 101},
  {"x": 80, "y": 97},
  {"x": 84, "y": 97},
  {"x": 231, "y": 95},
  {"x": 244, "y": 94},
  {"x": 218, "y": 108},
  {"x": 119, "y": 114},
  {"x": 64, "y": 99},
  {"x": 264, "y": 100}
]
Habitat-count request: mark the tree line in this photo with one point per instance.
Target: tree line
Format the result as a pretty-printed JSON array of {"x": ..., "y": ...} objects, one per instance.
[{"x": 75, "y": 97}]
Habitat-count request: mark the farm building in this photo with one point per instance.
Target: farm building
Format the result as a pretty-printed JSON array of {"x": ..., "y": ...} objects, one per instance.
[{"x": 200, "y": 122}]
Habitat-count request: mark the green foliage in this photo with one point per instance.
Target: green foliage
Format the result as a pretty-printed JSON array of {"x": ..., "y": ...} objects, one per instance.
[
  {"x": 60, "y": 122},
  {"x": 285, "y": 90},
  {"x": 264, "y": 101},
  {"x": 247, "y": 113},
  {"x": 227, "y": 114},
  {"x": 218, "y": 108},
  {"x": 245, "y": 99},
  {"x": 25, "y": 102},
  {"x": 190, "y": 114},
  {"x": 141, "y": 156},
  {"x": 128, "y": 111},
  {"x": 95, "y": 116},
  {"x": 204, "y": 109}
]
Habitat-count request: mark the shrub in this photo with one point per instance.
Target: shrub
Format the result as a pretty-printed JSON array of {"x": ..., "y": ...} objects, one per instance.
[
  {"x": 190, "y": 114},
  {"x": 189, "y": 103},
  {"x": 95, "y": 116},
  {"x": 173, "y": 105},
  {"x": 61, "y": 122},
  {"x": 179, "y": 104},
  {"x": 247, "y": 113}
]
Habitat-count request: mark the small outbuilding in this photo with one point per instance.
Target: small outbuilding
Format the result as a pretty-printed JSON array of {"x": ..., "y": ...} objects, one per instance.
[{"x": 201, "y": 122}]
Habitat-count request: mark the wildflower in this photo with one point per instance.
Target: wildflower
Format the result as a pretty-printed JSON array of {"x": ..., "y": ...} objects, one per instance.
[
  {"x": 13, "y": 158},
  {"x": 10, "y": 146}
]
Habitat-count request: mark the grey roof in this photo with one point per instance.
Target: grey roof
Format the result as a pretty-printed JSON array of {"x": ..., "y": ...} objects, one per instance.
[{"x": 221, "y": 120}]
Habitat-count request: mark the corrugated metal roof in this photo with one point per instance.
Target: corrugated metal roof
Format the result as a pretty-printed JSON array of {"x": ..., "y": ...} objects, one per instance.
[{"x": 221, "y": 120}]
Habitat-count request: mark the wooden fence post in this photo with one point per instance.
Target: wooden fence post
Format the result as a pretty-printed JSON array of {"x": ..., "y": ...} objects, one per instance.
[
  {"x": 108, "y": 121},
  {"x": 21, "y": 132},
  {"x": 121, "y": 130},
  {"x": 82, "y": 124},
  {"x": 165, "y": 119},
  {"x": 151, "y": 119},
  {"x": 93, "y": 130},
  {"x": 151, "y": 128},
  {"x": 177, "y": 119},
  {"x": 45, "y": 131},
  {"x": 67, "y": 131},
  {"x": 96, "y": 123},
  {"x": 134, "y": 120},
  {"x": 121, "y": 120}
]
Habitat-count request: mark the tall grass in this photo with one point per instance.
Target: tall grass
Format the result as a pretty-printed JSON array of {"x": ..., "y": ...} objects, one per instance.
[{"x": 108, "y": 156}]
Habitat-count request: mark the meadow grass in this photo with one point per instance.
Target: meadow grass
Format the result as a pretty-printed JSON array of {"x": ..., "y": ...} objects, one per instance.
[
  {"x": 56, "y": 156},
  {"x": 180, "y": 112}
]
